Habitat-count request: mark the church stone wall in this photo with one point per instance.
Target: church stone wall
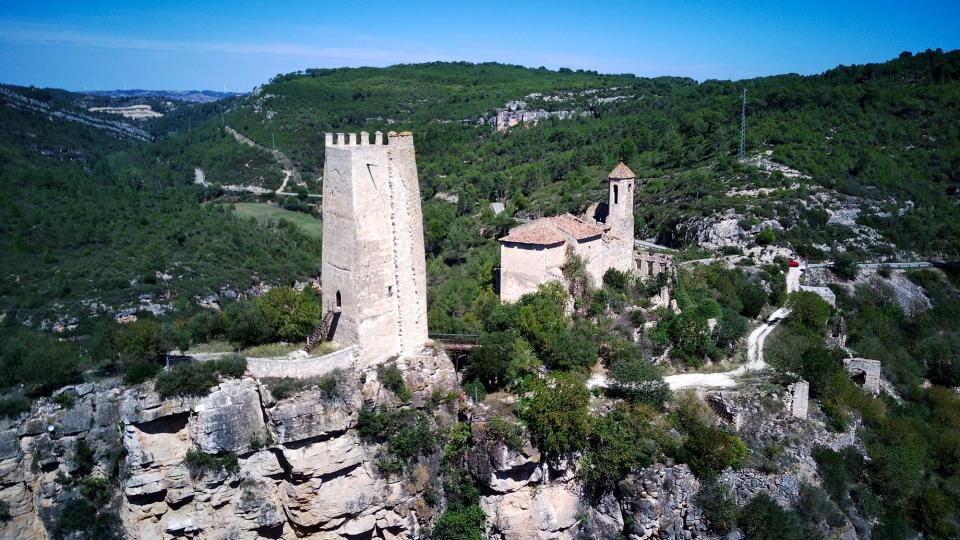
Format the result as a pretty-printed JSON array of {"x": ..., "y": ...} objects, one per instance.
[{"x": 526, "y": 266}]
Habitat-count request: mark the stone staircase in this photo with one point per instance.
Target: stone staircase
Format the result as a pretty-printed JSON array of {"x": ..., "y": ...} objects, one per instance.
[{"x": 320, "y": 333}]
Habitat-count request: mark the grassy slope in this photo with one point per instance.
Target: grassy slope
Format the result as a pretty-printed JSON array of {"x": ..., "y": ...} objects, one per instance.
[{"x": 267, "y": 215}]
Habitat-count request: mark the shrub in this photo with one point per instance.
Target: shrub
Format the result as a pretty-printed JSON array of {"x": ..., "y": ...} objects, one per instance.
[
  {"x": 246, "y": 323},
  {"x": 139, "y": 371},
  {"x": 284, "y": 387},
  {"x": 815, "y": 507},
  {"x": 13, "y": 406},
  {"x": 616, "y": 280},
  {"x": 557, "y": 414},
  {"x": 199, "y": 463},
  {"x": 205, "y": 326},
  {"x": 635, "y": 378},
  {"x": 766, "y": 236},
  {"x": 763, "y": 519},
  {"x": 468, "y": 523},
  {"x": 504, "y": 431},
  {"x": 371, "y": 423},
  {"x": 142, "y": 340},
  {"x": 501, "y": 358},
  {"x": 753, "y": 299},
  {"x": 845, "y": 265},
  {"x": 406, "y": 434},
  {"x": 718, "y": 506},
  {"x": 475, "y": 390},
  {"x": 81, "y": 517},
  {"x": 96, "y": 490},
  {"x": 392, "y": 379},
  {"x": 231, "y": 365},
  {"x": 39, "y": 361},
  {"x": 709, "y": 451},
  {"x": 193, "y": 379},
  {"x": 570, "y": 348},
  {"x": 729, "y": 330},
  {"x": 83, "y": 458},
  {"x": 808, "y": 310}
]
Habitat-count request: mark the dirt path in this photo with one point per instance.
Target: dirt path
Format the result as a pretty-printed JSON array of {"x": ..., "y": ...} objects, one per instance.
[
  {"x": 289, "y": 171},
  {"x": 728, "y": 378},
  {"x": 287, "y": 174}
]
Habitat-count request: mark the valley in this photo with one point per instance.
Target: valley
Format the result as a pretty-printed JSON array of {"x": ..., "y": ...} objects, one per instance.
[{"x": 266, "y": 315}]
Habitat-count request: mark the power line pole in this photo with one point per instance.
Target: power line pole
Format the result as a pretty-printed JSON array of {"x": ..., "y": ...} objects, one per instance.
[{"x": 743, "y": 126}]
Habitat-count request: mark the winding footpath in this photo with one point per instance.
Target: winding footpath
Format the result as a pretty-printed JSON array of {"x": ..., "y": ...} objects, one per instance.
[{"x": 754, "y": 353}]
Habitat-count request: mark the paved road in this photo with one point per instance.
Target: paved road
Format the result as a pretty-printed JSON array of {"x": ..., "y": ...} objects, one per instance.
[{"x": 910, "y": 264}]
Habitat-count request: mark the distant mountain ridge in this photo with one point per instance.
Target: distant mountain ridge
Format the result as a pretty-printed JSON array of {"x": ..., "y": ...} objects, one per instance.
[{"x": 190, "y": 96}]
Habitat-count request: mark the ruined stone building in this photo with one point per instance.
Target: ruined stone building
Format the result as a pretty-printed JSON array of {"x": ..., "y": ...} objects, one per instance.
[
  {"x": 373, "y": 263},
  {"x": 535, "y": 252}
]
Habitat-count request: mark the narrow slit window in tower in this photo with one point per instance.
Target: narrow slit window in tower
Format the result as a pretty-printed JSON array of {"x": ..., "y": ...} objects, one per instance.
[
  {"x": 616, "y": 194},
  {"x": 338, "y": 301}
]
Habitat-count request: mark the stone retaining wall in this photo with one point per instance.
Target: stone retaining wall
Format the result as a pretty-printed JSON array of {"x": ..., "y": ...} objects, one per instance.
[{"x": 301, "y": 368}]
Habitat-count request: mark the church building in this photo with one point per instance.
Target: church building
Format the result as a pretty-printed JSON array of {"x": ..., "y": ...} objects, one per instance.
[{"x": 535, "y": 252}]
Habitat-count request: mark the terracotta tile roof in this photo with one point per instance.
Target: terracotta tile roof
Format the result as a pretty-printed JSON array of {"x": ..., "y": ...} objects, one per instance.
[
  {"x": 536, "y": 232},
  {"x": 575, "y": 227},
  {"x": 552, "y": 230},
  {"x": 621, "y": 172}
]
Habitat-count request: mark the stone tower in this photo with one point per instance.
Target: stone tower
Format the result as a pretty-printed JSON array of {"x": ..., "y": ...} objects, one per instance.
[
  {"x": 374, "y": 268},
  {"x": 620, "y": 217}
]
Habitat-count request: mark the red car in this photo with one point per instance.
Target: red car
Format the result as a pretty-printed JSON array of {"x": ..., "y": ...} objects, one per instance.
[{"x": 794, "y": 264}]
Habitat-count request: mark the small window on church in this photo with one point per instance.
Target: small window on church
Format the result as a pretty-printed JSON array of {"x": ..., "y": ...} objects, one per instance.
[
  {"x": 389, "y": 290},
  {"x": 616, "y": 194},
  {"x": 338, "y": 298}
]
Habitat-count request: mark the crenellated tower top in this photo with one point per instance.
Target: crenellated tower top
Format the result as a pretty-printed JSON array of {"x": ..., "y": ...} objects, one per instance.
[{"x": 404, "y": 138}]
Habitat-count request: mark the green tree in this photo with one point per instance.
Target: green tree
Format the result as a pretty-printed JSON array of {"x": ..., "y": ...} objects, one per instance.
[
  {"x": 143, "y": 340},
  {"x": 501, "y": 358},
  {"x": 289, "y": 314},
  {"x": 246, "y": 323},
  {"x": 808, "y": 310},
  {"x": 557, "y": 413},
  {"x": 636, "y": 378},
  {"x": 624, "y": 440},
  {"x": 845, "y": 265},
  {"x": 709, "y": 450}
]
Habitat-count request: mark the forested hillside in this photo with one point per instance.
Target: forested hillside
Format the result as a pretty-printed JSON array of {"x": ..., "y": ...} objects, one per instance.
[
  {"x": 107, "y": 219},
  {"x": 886, "y": 134}
]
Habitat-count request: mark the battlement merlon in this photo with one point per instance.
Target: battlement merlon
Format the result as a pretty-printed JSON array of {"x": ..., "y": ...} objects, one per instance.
[{"x": 404, "y": 138}]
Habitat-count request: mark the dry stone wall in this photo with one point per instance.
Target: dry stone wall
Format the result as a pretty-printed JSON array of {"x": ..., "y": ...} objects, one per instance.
[{"x": 302, "y": 368}]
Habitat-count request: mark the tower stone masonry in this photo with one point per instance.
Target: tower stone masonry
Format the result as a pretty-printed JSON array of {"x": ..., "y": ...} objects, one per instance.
[
  {"x": 621, "y": 181},
  {"x": 373, "y": 262}
]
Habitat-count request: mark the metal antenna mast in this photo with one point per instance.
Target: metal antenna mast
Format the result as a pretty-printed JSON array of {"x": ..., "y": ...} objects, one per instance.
[{"x": 743, "y": 125}]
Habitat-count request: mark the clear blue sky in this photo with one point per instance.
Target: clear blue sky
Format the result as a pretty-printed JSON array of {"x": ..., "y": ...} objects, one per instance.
[{"x": 236, "y": 45}]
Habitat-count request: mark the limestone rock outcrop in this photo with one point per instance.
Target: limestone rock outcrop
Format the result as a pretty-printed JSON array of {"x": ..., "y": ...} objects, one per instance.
[
  {"x": 301, "y": 469},
  {"x": 529, "y": 497}
]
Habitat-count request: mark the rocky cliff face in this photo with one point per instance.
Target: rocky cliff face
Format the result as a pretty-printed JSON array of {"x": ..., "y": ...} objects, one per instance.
[
  {"x": 527, "y": 497},
  {"x": 301, "y": 469}
]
